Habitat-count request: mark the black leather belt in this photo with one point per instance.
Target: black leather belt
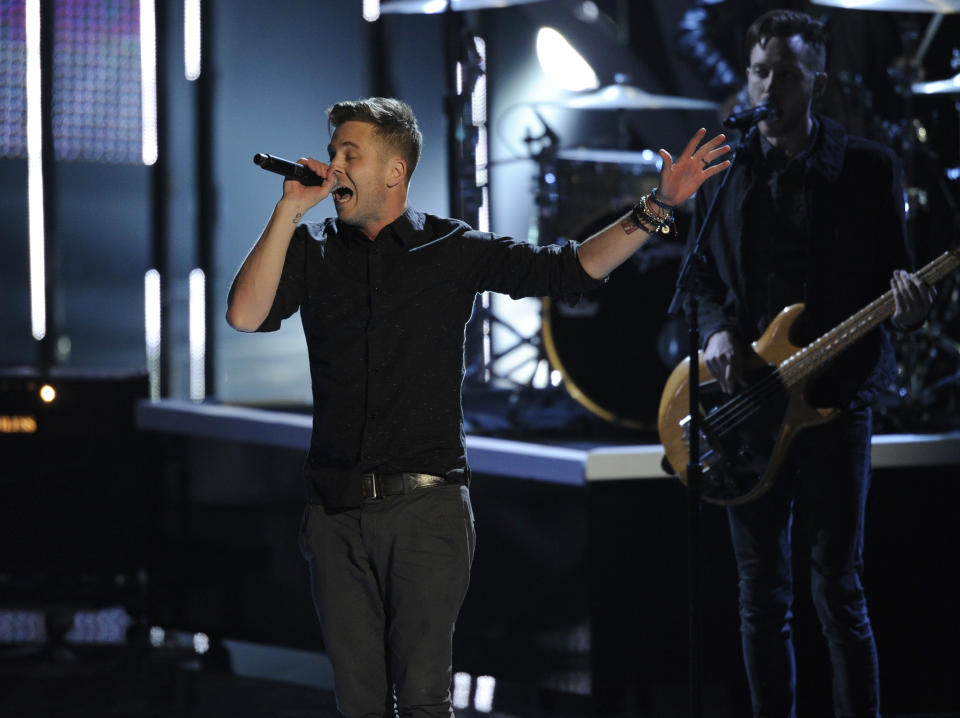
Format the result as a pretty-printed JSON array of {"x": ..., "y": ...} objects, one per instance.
[{"x": 376, "y": 486}]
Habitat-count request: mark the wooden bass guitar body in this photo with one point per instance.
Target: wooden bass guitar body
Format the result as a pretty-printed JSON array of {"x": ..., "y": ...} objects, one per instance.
[{"x": 744, "y": 437}]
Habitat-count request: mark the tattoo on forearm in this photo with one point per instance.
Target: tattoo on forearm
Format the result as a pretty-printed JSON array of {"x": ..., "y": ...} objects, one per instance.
[
  {"x": 297, "y": 216},
  {"x": 628, "y": 225}
]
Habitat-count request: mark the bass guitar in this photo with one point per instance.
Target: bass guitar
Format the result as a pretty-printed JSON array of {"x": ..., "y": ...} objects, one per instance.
[{"x": 745, "y": 437}]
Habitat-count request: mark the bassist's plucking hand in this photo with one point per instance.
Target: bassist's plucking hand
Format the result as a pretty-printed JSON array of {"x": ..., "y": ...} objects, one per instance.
[{"x": 723, "y": 358}]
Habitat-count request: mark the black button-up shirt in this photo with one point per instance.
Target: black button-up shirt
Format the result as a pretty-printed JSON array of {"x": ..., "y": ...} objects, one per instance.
[{"x": 384, "y": 323}]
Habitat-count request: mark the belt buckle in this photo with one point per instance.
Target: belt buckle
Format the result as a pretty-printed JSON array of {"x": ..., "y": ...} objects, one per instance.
[{"x": 370, "y": 487}]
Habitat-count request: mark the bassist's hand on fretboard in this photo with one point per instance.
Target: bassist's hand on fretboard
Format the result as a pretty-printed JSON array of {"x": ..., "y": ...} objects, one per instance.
[{"x": 912, "y": 298}]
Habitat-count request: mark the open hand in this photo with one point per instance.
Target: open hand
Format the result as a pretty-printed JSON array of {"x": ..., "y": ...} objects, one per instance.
[{"x": 681, "y": 177}]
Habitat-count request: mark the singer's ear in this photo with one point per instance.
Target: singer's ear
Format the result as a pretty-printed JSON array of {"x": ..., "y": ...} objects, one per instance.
[{"x": 396, "y": 172}]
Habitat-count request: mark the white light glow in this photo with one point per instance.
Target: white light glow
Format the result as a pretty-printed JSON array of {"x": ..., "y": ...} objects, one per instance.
[
  {"x": 151, "y": 328},
  {"x": 562, "y": 64},
  {"x": 191, "y": 39},
  {"x": 483, "y": 215},
  {"x": 371, "y": 10},
  {"x": 483, "y": 698},
  {"x": 481, "y": 152},
  {"x": 478, "y": 102},
  {"x": 36, "y": 230},
  {"x": 148, "y": 81},
  {"x": 198, "y": 334},
  {"x": 461, "y": 690},
  {"x": 157, "y": 636},
  {"x": 201, "y": 643}
]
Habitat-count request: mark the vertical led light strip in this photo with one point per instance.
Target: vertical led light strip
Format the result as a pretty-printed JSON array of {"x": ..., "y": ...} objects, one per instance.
[
  {"x": 151, "y": 328},
  {"x": 38, "y": 263},
  {"x": 478, "y": 104},
  {"x": 191, "y": 39},
  {"x": 371, "y": 10},
  {"x": 198, "y": 334},
  {"x": 148, "y": 81}
]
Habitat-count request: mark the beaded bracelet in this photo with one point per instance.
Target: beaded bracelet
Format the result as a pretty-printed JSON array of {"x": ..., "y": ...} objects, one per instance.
[{"x": 649, "y": 221}]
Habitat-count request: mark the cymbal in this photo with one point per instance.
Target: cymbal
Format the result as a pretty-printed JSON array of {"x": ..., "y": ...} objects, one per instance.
[
  {"x": 624, "y": 97},
  {"x": 938, "y": 6},
  {"x": 431, "y": 7},
  {"x": 937, "y": 87}
]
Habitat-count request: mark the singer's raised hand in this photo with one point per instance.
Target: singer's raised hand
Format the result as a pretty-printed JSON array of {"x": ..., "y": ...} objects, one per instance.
[{"x": 681, "y": 177}]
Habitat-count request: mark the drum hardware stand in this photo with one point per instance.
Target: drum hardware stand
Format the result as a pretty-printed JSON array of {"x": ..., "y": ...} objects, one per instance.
[
  {"x": 688, "y": 287},
  {"x": 917, "y": 354},
  {"x": 521, "y": 392}
]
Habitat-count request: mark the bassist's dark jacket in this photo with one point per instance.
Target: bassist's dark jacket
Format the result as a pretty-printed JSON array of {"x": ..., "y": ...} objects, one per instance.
[{"x": 847, "y": 224}]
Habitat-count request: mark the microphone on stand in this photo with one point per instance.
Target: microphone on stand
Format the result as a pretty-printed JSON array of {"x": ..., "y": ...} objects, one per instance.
[
  {"x": 748, "y": 118},
  {"x": 290, "y": 170}
]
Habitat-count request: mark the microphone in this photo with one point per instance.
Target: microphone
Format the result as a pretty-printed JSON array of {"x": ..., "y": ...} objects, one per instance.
[
  {"x": 748, "y": 118},
  {"x": 290, "y": 170}
]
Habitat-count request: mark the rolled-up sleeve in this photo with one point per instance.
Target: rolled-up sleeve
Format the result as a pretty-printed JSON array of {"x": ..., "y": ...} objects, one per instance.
[
  {"x": 292, "y": 285},
  {"x": 520, "y": 269}
]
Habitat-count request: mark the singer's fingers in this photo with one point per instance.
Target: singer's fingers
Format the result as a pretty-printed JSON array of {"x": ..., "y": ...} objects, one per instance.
[
  {"x": 694, "y": 142},
  {"x": 316, "y": 166},
  {"x": 667, "y": 160},
  {"x": 716, "y": 152},
  {"x": 715, "y": 169},
  {"x": 712, "y": 144}
]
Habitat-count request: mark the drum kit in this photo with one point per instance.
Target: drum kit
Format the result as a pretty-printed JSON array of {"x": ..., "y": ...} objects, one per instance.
[{"x": 616, "y": 348}]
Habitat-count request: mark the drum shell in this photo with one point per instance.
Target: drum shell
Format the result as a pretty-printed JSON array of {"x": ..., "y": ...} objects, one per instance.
[{"x": 616, "y": 347}]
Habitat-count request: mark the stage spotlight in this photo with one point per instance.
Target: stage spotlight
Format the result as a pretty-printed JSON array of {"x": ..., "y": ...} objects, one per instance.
[
  {"x": 47, "y": 394},
  {"x": 562, "y": 64}
]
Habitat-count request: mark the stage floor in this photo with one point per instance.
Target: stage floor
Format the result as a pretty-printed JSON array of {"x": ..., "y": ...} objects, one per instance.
[{"x": 249, "y": 681}]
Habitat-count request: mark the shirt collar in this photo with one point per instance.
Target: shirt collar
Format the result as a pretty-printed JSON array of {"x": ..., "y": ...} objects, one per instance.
[
  {"x": 778, "y": 159},
  {"x": 825, "y": 153},
  {"x": 409, "y": 228}
]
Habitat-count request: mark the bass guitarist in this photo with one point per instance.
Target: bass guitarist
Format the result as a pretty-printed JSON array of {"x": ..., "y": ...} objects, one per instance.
[{"x": 814, "y": 215}]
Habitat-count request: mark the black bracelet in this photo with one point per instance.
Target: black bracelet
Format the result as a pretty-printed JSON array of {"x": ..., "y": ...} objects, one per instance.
[
  {"x": 648, "y": 220},
  {"x": 661, "y": 204}
]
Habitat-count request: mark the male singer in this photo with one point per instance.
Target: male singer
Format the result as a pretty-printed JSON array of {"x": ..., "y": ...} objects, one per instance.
[{"x": 384, "y": 292}]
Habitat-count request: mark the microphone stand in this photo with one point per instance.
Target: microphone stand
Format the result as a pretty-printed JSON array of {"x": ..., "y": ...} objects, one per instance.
[{"x": 688, "y": 286}]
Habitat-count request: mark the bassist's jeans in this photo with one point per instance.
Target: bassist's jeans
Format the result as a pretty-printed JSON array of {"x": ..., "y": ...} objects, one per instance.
[{"x": 824, "y": 490}]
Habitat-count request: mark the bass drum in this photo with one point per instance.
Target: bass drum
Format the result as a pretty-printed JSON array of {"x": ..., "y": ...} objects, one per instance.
[{"x": 617, "y": 346}]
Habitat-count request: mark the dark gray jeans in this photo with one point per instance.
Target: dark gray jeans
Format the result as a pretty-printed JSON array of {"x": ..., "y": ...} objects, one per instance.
[
  {"x": 824, "y": 488},
  {"x": 388, "y": 580}
]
